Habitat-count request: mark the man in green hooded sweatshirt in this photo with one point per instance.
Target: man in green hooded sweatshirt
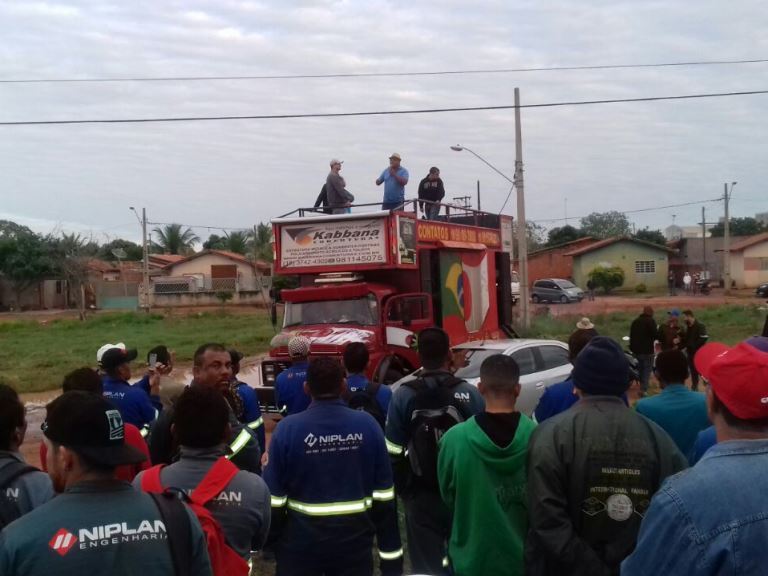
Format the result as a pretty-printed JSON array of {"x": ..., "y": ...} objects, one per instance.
[{"x": 482, "y": 472}]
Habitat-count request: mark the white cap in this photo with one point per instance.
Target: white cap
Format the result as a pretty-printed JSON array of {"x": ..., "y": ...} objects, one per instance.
[{"x": 100, "y": 351}]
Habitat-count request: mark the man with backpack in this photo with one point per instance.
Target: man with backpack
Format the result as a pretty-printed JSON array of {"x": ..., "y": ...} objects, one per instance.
[
  {"x": 235, "y": 503},
  {"x": 331, "y": 485},
  {"x": 22, "y": 487},
  {"x": 361, "y": 393},
  {"x": 98, "y": 525},
  {"x": 421, "y": 411}
]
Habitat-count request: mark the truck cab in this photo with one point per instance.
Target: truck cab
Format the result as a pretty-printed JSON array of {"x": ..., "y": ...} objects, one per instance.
[{"x": 381, "y": 277}]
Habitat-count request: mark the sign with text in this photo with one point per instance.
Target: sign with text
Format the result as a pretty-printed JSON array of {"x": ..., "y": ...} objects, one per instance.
[
  {"x": 431, "y": 231},
  {"x": 347, "y": 242}
]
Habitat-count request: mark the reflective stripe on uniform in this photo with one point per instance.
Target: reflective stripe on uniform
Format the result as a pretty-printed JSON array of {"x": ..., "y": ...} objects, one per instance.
[
  {"x": 391, "y": 555},
  {"x": 394, "y": 449},
  {"x": 242, "y": 439},
  {"x": 446, "y": 562},
  {"x": 256, "y": 423},
  {"x": 144, "y": 432},
  {"x": 384, "y": 495},
  {"x": 331, "y": 508},
  {"x": 278, "y": 501}
]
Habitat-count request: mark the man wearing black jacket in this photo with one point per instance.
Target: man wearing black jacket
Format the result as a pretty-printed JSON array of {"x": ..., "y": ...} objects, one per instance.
[
  {"x": 642, "y": 334},
  {"x": 431, "y": 189},
  {"x": 694, "y": 338}
]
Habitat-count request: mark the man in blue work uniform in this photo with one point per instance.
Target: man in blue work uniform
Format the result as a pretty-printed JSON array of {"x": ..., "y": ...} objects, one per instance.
[
  {"x": 98, "y": 525},
  {"x": 248, "y": 410},
  {"x": 356, "y": 358},
  {"x": 290, "y": 396},
  {"x": 394, "y": 179},
  {"x": 135, "y": 405},
  {"x": 331, "y": 485}
]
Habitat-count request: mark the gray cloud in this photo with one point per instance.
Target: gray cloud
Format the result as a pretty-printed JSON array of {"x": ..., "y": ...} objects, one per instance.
[{"x": 621, "y": 156}]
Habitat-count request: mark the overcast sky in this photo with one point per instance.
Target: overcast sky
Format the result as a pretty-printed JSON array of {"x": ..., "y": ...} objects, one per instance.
[{"x": 236, "y": 173}]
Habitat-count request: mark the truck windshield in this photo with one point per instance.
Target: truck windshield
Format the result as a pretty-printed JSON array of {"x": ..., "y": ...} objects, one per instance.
[{"x": 362, "y": 311}]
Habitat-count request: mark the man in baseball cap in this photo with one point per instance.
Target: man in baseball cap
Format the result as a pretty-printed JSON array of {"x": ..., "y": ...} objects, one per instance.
[
  {"x": 290, "y": 396},
  {"x": 98, "y": 525},
  {"x": 713, "y": 518},
  {"x": 394, "y": 179},
  {"x": 136, "y": 406}
]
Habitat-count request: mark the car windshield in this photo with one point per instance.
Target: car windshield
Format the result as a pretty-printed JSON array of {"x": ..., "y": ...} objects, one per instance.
[
  {"x": 565, "y": 284},
  {"x": 470, "y": 360},
  {"x": 362, "y": 311}
]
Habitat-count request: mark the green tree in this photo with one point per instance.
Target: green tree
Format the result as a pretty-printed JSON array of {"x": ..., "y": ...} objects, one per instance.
[
  {"x": 607, "y": 278},
  {"x": 238, "y": 242},
  {"x": 563, "y": 234},
  {"x": 654, "y": 236},
  {"x": 605, "y": 225},
  {"x": 738, "y": 227},
  {"x": 214, "y": 242},
  {"x": 10, "y": 229},
  {"x": 132, "y": 250},
  {"x": 263, "y": 242},
  {"x": 72, "y": 255},
  {"x": 172, "y": 239},
  {"x": 26, "y": 258}
]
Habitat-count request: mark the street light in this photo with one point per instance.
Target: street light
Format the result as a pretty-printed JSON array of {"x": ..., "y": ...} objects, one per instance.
[{"x": 522, "y": 249}]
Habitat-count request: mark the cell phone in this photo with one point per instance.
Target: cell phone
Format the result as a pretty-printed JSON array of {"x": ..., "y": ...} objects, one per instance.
[{"x": 152, "y": 361}]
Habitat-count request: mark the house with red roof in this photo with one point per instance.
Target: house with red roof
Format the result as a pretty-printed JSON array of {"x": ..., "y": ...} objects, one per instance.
[{"x": 749, "y": 261}]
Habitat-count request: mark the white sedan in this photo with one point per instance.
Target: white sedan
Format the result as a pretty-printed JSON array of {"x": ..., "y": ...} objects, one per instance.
[{"x": 542, "y": 363}]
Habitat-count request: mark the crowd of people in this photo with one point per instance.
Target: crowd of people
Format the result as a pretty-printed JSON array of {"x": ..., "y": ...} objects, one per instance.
[
  {"x": 131, "y": 482},
  {"x": 334, "y": 198}
]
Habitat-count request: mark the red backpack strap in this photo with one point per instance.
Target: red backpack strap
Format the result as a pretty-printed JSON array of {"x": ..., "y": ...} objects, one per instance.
[
  {"x": 217, "y": 478},
  {"x": 150, "y": 480}
]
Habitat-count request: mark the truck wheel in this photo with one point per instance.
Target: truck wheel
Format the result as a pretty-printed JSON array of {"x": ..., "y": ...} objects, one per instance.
[
  {"x": 535, "y": 299},
  {"x": 563, "y": 299},
  {"x": 392, "y": 376}
]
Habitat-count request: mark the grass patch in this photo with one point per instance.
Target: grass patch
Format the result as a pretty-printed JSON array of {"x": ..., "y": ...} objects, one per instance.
[
  {"x": 34, "y": 356},
  {"x": 728, "y": 324}
]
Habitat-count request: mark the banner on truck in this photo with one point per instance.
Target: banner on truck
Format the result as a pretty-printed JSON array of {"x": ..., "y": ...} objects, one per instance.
[{"x": 348, "y": 242}]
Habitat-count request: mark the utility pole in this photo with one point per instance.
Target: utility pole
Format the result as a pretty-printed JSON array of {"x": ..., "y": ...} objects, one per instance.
[
  {"x": 705, "y": 273},
  {"x": 478, "y": 195},
  {"x": 727, "y": 241},
  {"x": 145, "y": 275},
  {"x": 522, "y": 238}
]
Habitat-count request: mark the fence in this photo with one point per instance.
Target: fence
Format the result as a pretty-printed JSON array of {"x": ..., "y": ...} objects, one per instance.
[
  {"x": 116, "y": 295},
  {"x": 201, "y": 284}
]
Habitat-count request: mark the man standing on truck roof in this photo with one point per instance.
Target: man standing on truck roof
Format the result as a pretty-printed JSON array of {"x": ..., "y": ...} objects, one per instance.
[
  {"x": 339, "y": 199},
  {"x": 394, "y": 179},
  {"x": 431, "y": 189}
]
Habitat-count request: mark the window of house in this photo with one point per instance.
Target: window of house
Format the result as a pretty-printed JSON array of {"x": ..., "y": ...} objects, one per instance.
[{"x": 645, "y": 267}]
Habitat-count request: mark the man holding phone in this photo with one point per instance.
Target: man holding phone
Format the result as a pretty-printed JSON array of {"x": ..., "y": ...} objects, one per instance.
[{"x": 394, "y": 179}]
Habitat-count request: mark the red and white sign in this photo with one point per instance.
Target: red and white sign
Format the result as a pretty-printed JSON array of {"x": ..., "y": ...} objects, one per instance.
[{"x": 62, "y": 542}]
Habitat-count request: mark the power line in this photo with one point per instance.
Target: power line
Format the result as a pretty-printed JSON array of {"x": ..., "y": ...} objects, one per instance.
[
  {"x": 385, "y": 74},
  {"x": 222, "y": 228},
  {"x": 652, "y": 209},
  {"x": 376, "y": 113}
]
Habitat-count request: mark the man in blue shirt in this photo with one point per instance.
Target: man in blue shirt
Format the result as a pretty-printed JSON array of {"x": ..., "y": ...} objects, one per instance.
[
  {"x": 394, "y": 179},
  {"x": 331, "y": 485},
  {"x": 249, "y": 409},
  {"x": 713, "y": 518},
  {"x": 356, "y": 358},
  {"x": 680, "y": 411},
  {"x": 135, "y": 405},
  {"x": 290, "y": 396}
]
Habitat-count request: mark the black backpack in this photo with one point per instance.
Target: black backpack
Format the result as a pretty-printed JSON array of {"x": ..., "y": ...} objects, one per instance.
[
  {"x": 365, "y": 401},
  {"x": 435, "y": 411},
  {"x": 9, "y": 511}
]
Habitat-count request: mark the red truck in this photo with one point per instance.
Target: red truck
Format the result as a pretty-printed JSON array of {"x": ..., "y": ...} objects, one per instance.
[{"x": 381, "y": 277}]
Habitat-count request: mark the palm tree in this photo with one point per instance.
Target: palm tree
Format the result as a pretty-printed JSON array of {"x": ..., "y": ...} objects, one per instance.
[
  {"x": 238, "y": 242},
  {"x": 171, "y": 239},
  {"x": 263, "y": 242}
]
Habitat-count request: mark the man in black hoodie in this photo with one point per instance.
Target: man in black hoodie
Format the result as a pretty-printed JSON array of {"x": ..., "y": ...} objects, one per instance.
[
  {"x": 642, "y": 334},
  {"x": 431, "y": 189}
]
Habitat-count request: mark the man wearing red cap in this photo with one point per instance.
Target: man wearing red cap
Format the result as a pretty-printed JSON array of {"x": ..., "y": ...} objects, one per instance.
[{"x": 713, "y": 519}]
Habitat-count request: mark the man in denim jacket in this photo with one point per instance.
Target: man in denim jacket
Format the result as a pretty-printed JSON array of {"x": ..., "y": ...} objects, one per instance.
[{"x": 713, "y": 519}]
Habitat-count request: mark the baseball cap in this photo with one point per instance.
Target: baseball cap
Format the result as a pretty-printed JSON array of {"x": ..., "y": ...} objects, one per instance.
[
  {"x": 738, "y": 376},
  {"x": 675, "y": 313},
  {"x": 336, "y": 161},
  {"x": 114, "y": 357},
  {"x": 395, "y": 155},
  {"x": 100, "y": 351},
  {"x": 90, "y": 426},
  {"x": 298, "y": 346}
]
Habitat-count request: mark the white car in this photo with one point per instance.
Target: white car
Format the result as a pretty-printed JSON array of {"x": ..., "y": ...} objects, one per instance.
[{"x": 542, "y": 363}]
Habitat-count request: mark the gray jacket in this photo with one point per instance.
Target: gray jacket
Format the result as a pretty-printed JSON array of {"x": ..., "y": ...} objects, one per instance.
[
  {"x": 27, "y": 491},
  {"x": 337, "y": 192},
  {"x": 243, "y": 508}
]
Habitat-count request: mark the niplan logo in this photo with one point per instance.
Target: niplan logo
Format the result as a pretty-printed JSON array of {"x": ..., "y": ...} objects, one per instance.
[{"x": 327, "y": 439}]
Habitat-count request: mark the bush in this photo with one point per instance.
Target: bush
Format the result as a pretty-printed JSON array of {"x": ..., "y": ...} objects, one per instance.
[
  {"x": 607, "y": 278},
  {"x": 640, "y": 288},
  {"x": 224, "y": 296}
]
